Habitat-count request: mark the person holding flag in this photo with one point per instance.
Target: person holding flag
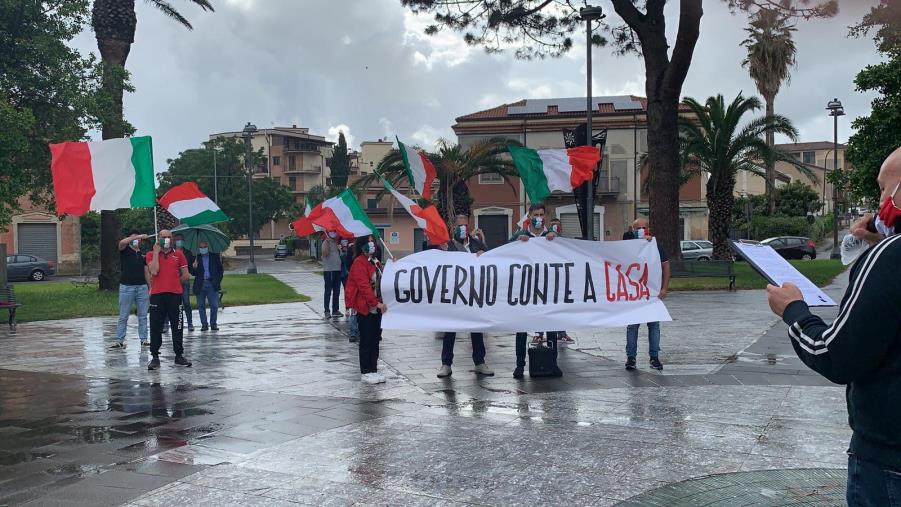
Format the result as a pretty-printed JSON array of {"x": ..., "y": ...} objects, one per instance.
[
  {"x": 167, "y": 269},
  {"x": 331, "y": 273}
]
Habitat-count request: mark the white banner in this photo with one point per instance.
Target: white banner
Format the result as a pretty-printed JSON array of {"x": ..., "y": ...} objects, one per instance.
[{"x": 536, "y": 285}]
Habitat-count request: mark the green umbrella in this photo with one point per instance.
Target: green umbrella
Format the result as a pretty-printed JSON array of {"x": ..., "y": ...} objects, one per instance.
[{"x": 194, "y": 234}]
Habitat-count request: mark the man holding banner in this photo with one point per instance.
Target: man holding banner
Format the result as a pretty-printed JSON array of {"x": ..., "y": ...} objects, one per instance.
[{"x": 639, "y": 230}]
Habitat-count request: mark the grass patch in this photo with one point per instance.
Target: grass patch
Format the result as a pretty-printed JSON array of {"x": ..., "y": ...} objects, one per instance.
[
  {"x": 62, "y": 300},
  {"x": 819, "y": 272}
]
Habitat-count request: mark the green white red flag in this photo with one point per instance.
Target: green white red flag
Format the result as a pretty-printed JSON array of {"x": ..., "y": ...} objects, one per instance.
[
  {"x": 343, "y": 215},
  {"x": 303, "y": 226},
  {"x": 191, "y": 206},
  {"x": 104, "y": 175},
  {"x": 428, "y": 219},
  {"x": 420, "y": 170},
  {"x": 546, "y": 171}
]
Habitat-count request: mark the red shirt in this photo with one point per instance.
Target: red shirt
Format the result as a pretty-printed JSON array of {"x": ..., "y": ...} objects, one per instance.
[
  {"x": 358, "y": 293},
  {"x": 168, "y": 278}
]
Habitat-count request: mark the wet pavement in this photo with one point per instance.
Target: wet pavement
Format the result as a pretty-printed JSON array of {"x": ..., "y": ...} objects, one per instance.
[{"x": 273, "y": 413}]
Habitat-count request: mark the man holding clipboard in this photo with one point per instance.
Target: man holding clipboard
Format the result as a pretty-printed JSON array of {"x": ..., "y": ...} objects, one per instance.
[{"x": 862, "y": 348}]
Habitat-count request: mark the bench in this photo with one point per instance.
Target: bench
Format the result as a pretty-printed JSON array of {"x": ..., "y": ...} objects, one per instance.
[
  {"x": 85, "y": 282},
  {"x": 9, "y": 303},
  {"x": 704, "y": 269}
]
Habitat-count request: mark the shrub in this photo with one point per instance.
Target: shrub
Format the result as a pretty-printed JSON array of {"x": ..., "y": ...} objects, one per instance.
[{"x": 763, "y": 227}]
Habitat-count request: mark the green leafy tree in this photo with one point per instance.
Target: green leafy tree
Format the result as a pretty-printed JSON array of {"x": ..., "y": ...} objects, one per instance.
[
  {"x": 720, "y": 145},
  {"x": 771, "y": 55},
  {"x": 541, "y": 28},
  {"x": 114, "y": 23},
  {"x": 877, "y": 135},
  {"x": 48, "y": 93},
  {"x": 271, "y": 199},
  {"x": 340, "y": 166},
  {"x": 797, "y": 199},
  {"x": 454, "y": 166}
]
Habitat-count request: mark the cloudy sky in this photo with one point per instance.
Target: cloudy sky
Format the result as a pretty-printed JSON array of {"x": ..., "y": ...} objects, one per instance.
[{"x": 365, "y": 67}]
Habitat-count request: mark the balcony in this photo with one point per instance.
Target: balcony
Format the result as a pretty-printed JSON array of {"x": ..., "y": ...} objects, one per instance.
[
  {"x": 301, "y": 148},
  {"x": 316, "y": 169}
]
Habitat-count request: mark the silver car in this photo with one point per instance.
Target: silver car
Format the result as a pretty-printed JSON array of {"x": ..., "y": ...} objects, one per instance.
[
  {"x": 697, "y": 250},
  {"x": 28, "y": 267}
]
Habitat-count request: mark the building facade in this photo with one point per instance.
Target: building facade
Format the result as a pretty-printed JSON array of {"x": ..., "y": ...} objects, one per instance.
[{"x": 36, "y": 231}]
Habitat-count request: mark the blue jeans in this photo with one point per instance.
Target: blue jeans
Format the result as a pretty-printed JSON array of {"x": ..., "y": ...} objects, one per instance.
[
  {"x": 653, "y": 339},
  {"x": 208, "y": 294},
  {"x": 332, "y": 289},
  {"x": 139, "y": 296},
  {"x": 186, "y": 301},
  {"x": 354, "y": 327},
  {"x": 872, "y": 485}
]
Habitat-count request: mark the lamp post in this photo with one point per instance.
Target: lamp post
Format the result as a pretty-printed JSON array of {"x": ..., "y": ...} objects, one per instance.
[
  {"x": 825, "y": 171},
  {"x": 249, "y": 130},
  {"x": 589, "y": 13},
  {"x": 835, "y": 110}
]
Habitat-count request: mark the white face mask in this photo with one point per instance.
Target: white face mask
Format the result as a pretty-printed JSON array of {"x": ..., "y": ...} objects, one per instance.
[
  {"x": 333, "y": 235},
  {"x": 883, "y": 229}
]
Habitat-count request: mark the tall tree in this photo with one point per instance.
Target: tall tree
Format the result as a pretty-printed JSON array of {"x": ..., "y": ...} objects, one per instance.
[
  {"x": 114, "y": 23},
  {"x": 455, "y": 166},
  {"x": 540, "y": 28},
  {"x": 48, "y": 93},
  {"x": 877, "y": 135},
  {"x": 340, "y": 166},
  {"x": 719, "y": 145},
  {"x": 771, "y": 55}
]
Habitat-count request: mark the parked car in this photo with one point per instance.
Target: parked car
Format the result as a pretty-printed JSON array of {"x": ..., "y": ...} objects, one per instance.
[
  {"x": 281, "y": 252},
  {"x": 28, "y": 267},
  {"x": 793, "y": 247},
  {"x": 697, "y": 250}
]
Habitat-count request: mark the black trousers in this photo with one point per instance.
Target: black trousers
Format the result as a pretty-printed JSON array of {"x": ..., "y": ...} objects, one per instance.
[
  {"x": 478, "y": 348},
  {"x": 332, "y": 289},
  {"x": 166, "y": 307},
  {"x": 521, "y": 346},
  {"x": 370, "y": 334}
]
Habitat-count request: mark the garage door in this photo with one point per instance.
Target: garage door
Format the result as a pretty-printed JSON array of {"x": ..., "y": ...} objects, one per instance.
[
  {"x": 38, "y": 240},
  {"x": 496, "y": 229},
  {"x": 572, "y": 228}
]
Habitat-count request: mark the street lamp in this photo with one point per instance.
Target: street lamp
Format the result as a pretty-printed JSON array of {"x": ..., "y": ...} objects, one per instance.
[
  {"x": 835, "y": 110},
  {"x": 589, "y": 13},
  {"x": 249, "y": 130}
]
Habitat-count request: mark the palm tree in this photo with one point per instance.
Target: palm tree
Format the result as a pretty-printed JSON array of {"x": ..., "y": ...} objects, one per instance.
[
  {"x": 717, "y": 144},
  {"x": 771, "y": 54},
  {"x": 454, "y": 166},
  {"x": 114, "y": 23}
]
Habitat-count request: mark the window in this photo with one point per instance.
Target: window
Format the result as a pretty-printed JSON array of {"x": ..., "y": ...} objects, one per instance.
[
  {"x": 292, "y": 163},
  {"x": 688, "y": 245},
  {"x": 292, "y": 183},
  {"x": 490, "y": 179},
  {"x": 809, "y": 157},
  {"x": 372, "y": 203},
  {"x": 796, "y": 156},
  {"x": 276, "y": 160}
]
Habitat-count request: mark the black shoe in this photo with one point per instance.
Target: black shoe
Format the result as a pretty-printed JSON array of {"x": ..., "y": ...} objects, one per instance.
[
  {"x": 656, "y": 364},
  {"x": 190, "y": 327},
  {"x": 214, "y": 328},
  {"x": 630, "y": 363},
  {"x": 328, "y": 314},
  {"x": 145, "y": 344},
  {"x": 353, "y": 339},
  {"x": 205, "y": 328},
  {"x": 517, "y": 373},
  {"x": 154, "y": 363},
  {"x": 181, "y": 361},
  {"x": 337, "y": 315}
]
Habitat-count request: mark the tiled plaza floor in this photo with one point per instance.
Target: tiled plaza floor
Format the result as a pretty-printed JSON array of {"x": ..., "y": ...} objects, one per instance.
[{"x": 273, "y": 413}]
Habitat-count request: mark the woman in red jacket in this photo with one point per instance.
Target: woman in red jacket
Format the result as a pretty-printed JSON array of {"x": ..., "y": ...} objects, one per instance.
[{"x": 361, "y": 294}]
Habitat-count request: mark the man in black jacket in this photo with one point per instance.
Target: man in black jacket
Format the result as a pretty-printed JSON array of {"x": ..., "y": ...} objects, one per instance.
[
  {"x": 862, "y": 349},
  {"x": 207, "y": 271}
]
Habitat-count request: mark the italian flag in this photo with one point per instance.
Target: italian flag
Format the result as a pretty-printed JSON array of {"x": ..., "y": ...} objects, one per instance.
[
  {"x": 343, "y": 215},
  {"x": 187, "y": 203},
  {"x": 302, "y": 226},
  {"x": 427, "y": 219},
  {"x": 104, "y": 175},
  {"x": 545, "y": 171},
  {"x": 420, "y": 170}
]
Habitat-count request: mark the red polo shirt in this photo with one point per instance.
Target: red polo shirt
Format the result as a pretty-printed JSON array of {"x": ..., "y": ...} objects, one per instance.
[{"x": 168, "y": 278}]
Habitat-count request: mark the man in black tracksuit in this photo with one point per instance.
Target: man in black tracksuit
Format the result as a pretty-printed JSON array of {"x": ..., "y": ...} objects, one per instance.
[{"x": 862, "y": 349}]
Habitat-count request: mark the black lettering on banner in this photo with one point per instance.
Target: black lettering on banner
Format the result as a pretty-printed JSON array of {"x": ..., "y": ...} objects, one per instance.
[
  {"x": 430, "y": 283},
  {"x": 459, "y": 283},
  {"x": 476, "y": 294},
  {"x": 397, "y": 292},
  {"x": 540, "y": 295},
  {"x": 416, "y": 276},
  {"x": 567, "y": 293},
  {"x": 525, "y": 285},
  {"x": 444, "y": 288},
  {"x": 589, "y": 286},
  {"x": 556, "y": 266},
  {"x": 491, "y": 286},
  {"x": 510, "y": 299}
]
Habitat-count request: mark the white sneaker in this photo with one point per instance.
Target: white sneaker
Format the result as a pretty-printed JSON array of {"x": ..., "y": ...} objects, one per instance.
[
  {"x": 378, "y": 378},
  {"x": 369, "y": 378},
  {"x": 444, "y": 371},
  {"x": 483, "y": 369}
]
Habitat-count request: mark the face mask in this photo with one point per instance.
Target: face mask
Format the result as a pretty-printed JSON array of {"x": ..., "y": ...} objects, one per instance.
[
  {"x": 889, "y": 214},
  {"x": 203, "y": 250},
  {"x": 166, "y": 242},
  {"x": 370, "y": 247},
  {"x": 461, "y": 231},
  {"x": 135, "y": 243},
  {"x": 640, "y": 233},
  {"x": 179, "y": 243},
  {"x": 537, "y": 222},
  {"x": 333, "y": 235},
  {"x": 343, "y": 242},
  {"x": 852, "y": 248},
  {"x": 555, "y": 228}
]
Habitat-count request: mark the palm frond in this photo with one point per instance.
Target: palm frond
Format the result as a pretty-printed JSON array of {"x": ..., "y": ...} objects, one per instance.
[{"x": 167, "y": 9}]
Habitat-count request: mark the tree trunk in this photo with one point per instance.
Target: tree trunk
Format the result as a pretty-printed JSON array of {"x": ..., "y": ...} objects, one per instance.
[
  {"x": 663, "y": 153},
  {"x": 770, "y": 164},
  {"x": 720, "y": 202},
  {"x": 114, "y": 53}
]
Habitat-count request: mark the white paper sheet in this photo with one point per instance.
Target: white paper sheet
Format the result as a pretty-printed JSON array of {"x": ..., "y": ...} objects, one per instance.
[{"x": 780, "y": 271}]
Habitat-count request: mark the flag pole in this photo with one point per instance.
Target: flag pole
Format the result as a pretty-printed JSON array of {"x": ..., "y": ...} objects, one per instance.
[
  {"x": 156, "y": 227},
  {"x": 386, "y": 248}
]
